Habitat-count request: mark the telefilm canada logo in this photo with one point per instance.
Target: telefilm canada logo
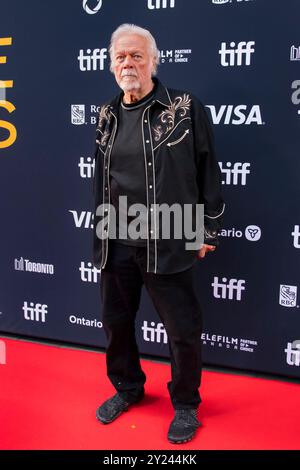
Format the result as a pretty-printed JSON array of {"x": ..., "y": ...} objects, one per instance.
[
  {"x": 223, "y": 342},
  {"x": 176, "y": 56},
  {"x": 288, "y": 296}
]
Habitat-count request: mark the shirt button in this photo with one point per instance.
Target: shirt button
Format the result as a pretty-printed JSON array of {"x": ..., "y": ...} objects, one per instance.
[
  {"x": 150, "y": 186},
  {"x": 106, "y": 167},
  {"x": 146, "y": 121},
  {"x": 106, "y": 188},
  {"x": 151, "y": 209},
  {"x": 149, "y": 163},
  {"x": 147, "y": 141},
  {"x": 151, "y": 231}
]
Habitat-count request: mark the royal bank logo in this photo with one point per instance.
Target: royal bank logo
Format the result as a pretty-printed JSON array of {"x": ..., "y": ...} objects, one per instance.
[
  {"x": 235, "y": 174},
  {"x": 230, "y": 289},
  {"x": 288, "y": 296},
  {"x": 157, "y": 4},
  {"x": 236, "y": 115},
  {"x": 296, "y": 236},
  {"x": 169, "y": 56},
  {"x": 78, "y": 114},
  {"x": 251, "y": 233},
  {"x": 295, "y": 53},
  {"x": 236, "y": 54},
  {"x": 293, "y": 353},
  {"x": 155, "y": 333},
  {"x": 91, "y": 6},
  {"x": 35, "y": 312}
]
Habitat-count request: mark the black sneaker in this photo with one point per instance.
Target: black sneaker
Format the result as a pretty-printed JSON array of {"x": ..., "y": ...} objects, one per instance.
[
  {"x": 183, "y": 427},
  {"x": 112, "y": 408}
]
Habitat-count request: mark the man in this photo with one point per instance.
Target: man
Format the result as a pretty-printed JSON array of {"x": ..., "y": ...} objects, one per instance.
[{"x": 153, "y": 146}]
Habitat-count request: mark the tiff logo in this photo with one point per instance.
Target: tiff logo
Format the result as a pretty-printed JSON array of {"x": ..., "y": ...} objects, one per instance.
[
  {"x": 35, "y": 312},
  {"x": 84, "y": 219},
  {"x": 154, "y": 334},
  {"x": 86, "y": 168},
  {"x": 2, "y": 352},
  {"x": 89, "y": 274},
  {"x": 156, "y": 4},
  {"x": 235, "y": 174},
  {"x": 244, "y": 50},
  {"x": 92, "y": 60},
  {"x": 293, "y": 353},
  {"x": 226, "y": 290},
  {"x": 296, "y": 236}
]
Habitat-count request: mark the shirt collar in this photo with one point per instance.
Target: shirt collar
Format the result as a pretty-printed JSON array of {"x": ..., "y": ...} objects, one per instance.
[{"x": 160, "y": 95}]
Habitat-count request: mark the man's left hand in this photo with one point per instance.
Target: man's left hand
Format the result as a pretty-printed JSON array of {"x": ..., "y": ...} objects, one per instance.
[{"x": 204, "y": 249}]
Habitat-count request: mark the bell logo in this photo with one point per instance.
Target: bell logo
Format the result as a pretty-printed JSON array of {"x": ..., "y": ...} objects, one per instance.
[
  {"x": 7, "y": 105},
  {"x": 89, "y": 10}
]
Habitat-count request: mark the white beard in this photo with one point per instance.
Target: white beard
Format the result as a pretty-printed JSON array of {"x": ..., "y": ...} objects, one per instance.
[{"x": 128, "y": 85}]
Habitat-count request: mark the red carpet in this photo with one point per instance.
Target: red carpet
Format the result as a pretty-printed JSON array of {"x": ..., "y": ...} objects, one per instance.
[{"x": 49, "y": 395}]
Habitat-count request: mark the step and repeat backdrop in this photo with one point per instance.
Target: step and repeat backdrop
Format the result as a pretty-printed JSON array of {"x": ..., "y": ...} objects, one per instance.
[{"x": 242, "y": 59}]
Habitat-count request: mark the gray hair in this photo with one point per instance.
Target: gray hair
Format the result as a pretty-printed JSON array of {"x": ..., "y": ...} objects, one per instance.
[{"x": 127, "y": 28}]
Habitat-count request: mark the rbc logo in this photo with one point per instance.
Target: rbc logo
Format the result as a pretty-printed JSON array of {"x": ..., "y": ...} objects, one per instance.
[
  {"x": 77, "y": 114},
  {"x": 288, "y": 296}
]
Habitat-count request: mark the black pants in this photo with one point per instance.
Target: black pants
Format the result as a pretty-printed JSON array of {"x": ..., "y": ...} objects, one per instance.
[{"x": 175, "y": 299}]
